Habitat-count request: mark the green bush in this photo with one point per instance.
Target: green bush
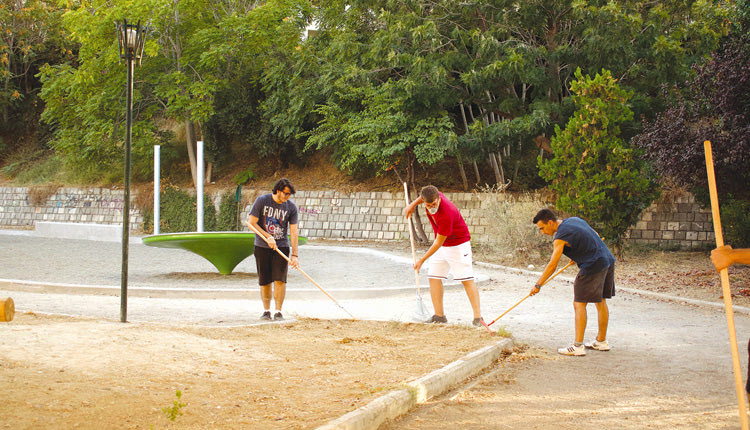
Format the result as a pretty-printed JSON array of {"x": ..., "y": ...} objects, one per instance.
[
  {"x": 179, "y": 212},
  {"x": 595, "y": 172},
  {"x": 735, "y": 222},
  {"x": 228, "y": 210}
]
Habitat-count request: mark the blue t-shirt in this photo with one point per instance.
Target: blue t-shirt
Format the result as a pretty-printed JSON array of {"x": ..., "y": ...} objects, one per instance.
[
  {"x": 585, "y": 247},
  {"x": 274, "y": 218}
]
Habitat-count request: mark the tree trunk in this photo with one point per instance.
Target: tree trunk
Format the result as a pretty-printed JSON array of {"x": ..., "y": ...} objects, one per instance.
[
  {"x": 476, "y": 171},
  {"x": 463, "y": 172},
  {"x": 190, "y": 141},
  {"x": 420, "y": 235},
  {"x": 209, "y": 168},
  {"x": 496, "y": 168}
]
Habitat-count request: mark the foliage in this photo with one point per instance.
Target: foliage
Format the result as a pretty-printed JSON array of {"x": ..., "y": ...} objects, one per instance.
[
  {"x": 713, "y": 106},
  {"x": 175, "y": 410},
  {"x": 178, "y": 211},
  {"x": 735, "y": 222},
  {"x": 596, "y": 174},
  {"x": 227, "y": 219},
  {"x": 30, "y": 36},
  {"x": 483, "y": 78},
  {"x": 195, "y": 52},
  {"x": 383, "y": 83},
  {"x": 246, "y": 175}
]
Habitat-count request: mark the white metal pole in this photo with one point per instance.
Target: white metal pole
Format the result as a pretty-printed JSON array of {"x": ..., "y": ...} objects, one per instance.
[
  {"x": 157, "y": 187},
  {"x": 200, "y": 186}
]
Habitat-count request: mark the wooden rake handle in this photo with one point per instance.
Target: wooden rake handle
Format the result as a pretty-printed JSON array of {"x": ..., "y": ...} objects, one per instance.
[
  {"x": 726, "y": 287},
  {"x": 570, "y": 263},
  {"x": 411, "y": 238}
]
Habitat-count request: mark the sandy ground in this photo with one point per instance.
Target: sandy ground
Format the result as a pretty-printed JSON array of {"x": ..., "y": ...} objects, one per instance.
[{"x": 62, "y": 372}]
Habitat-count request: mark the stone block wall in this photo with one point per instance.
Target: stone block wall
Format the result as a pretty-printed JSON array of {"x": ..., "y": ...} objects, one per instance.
[
  {"x": 374, "y": 215},
  {"x": 22, "y": 207},
  {"x": 678, "y": 223}
]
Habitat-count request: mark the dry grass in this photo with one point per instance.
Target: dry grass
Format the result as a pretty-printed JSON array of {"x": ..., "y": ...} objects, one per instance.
[
  {"x": 38, "y": 195},
  {"x": 514, "y": 240}
]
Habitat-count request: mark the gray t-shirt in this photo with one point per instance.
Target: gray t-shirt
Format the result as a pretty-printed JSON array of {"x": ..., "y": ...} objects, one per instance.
[
  {"x": 586, "y": 248},
  {"x": 274, "y": 218}
]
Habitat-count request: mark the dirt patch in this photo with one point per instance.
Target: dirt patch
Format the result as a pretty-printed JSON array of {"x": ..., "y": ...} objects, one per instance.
[
  {"x": 66, "y": 372},
  {"x": 683, "y": 274}
]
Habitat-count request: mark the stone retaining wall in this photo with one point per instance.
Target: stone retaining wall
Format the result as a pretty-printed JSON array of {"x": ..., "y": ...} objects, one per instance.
[
  {"x": 23, "y": 207},
  {"x": 679, "y": 223}
]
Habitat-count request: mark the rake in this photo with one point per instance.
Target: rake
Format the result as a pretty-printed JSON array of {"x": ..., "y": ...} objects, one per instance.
[
  {"x": 252, "y": 227},
  {"x": 529, "y": 295}
]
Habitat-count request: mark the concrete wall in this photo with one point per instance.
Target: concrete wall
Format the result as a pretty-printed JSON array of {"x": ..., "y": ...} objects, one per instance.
[{"x": 678, "y": 223}]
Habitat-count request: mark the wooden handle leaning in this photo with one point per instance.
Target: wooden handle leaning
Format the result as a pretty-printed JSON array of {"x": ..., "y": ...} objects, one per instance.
[{"x": 725, "y": 286}]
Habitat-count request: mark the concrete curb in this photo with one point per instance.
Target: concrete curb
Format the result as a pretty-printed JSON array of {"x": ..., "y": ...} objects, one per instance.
[{"x": 398, "y": 402}]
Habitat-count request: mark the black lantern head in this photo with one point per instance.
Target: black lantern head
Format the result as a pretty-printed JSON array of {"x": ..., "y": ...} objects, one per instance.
[{"x": 131, "y": 39}]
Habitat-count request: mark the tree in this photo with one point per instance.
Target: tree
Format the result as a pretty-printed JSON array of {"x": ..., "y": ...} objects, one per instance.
[
  {"x": 712, "y": 106},
  {"x": 498, "y": 72},
  {"x": 596, "y": 174},
  {"x": 196, "y": 49},
  {"x": 30, "y": 36}
]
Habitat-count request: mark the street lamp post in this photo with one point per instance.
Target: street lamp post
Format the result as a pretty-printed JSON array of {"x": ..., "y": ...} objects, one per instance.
[{"x": 131, "y": 39}]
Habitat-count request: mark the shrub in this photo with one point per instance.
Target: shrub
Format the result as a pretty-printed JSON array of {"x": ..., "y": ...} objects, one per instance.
[
  {"x": 596, "y": 173},
  {"x": 227, "y": 219},
  {"x": 735, "y": 222},
  {"x": 179, "y": 211}
]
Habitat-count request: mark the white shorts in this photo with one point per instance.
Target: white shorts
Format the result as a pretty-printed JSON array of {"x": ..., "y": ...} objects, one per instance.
[{"x": 452, "y": 259}]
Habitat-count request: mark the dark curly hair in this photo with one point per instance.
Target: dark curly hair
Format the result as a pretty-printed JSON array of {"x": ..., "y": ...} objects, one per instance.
[{"x": 283, "y": 183}]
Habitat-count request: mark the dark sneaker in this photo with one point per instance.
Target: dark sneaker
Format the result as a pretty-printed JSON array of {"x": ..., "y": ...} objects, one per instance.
[
  {"x": 437, "y": 319},
  {"x": 278, "y": 317},
  {"x": 266, "y": 316},
  {"x": 478, "y": 322}
]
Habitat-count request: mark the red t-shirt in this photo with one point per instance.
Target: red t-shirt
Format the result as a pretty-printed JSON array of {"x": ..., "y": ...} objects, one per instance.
[{"x": 448, "y": 222}]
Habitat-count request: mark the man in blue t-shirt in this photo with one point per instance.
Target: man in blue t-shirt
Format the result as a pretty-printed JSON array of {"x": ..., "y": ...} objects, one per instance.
[
  {"x": 595, "y": 282},
  {"x": 276, "y": 217}
]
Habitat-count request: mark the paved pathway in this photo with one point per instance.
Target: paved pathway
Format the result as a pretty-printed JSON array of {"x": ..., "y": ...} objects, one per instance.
[{"x": 669, "y": 354}]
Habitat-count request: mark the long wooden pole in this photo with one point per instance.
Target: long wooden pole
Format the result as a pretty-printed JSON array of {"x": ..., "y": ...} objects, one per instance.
[
  {"x": 570, "y": 263},
  {"x": 411, "y": 239},
  {"x": 725, "y": 287}
]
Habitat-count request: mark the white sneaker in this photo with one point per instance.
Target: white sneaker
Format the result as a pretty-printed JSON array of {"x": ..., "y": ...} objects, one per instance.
[
  {"x": 572, "y": 350},
  {"x": 599, "y": 346}
]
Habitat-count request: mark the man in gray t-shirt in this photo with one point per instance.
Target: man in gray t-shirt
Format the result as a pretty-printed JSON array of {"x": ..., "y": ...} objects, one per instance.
[{"x": 276, "y": 217}]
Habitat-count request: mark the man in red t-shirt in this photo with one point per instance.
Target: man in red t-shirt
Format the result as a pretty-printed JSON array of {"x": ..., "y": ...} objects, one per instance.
[{"x": 450, "y": 252}]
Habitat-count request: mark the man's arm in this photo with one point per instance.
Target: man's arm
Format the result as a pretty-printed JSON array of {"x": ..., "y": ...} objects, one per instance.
[
  {"x": 439, "y": 240},
  {"x": 294, "y": 233},
  {"x": 725, "y": 256},
  {"x": 557, "y": 251},
  {"x": 251, "y": 219},
  {"x": 413, "y": 205}
]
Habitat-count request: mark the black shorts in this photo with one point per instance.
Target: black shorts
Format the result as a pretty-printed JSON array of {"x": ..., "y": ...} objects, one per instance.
[
  {"x": 270, "y": 265},
  {"x": 594, "y": 287}
]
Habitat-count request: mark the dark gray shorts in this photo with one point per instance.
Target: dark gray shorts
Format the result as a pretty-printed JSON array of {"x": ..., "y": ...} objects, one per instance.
[
  {"x": 270, "y": 265},
  {"x": 594, "y": 287}
]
